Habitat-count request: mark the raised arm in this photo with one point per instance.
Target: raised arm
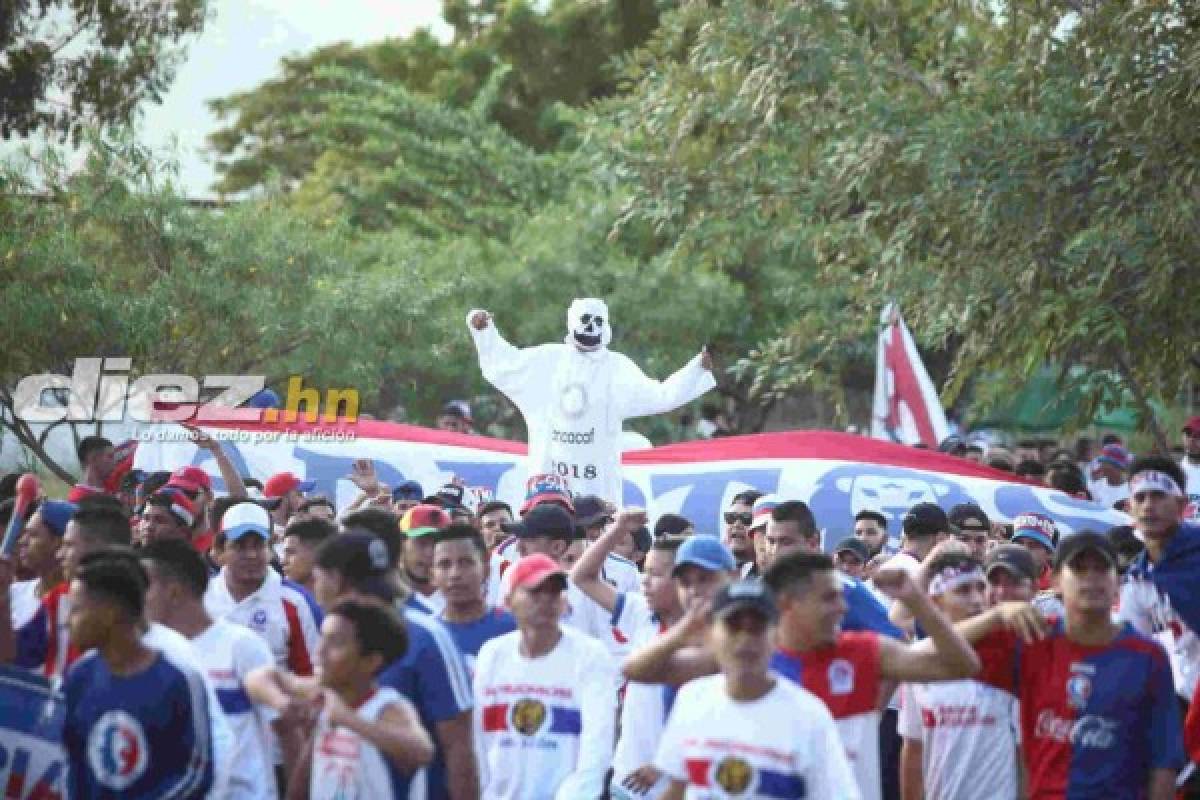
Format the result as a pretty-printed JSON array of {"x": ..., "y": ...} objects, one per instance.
[
  {"x": 521, "y": 373},
  {"x": 945, "y": 655},
  {"x": 586, "y": 572},
  {"x": 638, "y": 396},
  {"x": 676, "y": 657}
]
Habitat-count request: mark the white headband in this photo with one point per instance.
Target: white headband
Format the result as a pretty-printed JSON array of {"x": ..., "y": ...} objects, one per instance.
[
  {"x": 1153, "y": 481},
  {"x": 951, "y": 578}
]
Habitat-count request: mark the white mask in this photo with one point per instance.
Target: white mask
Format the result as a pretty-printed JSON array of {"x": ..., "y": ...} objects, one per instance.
[{"x": 587, "y": 324}]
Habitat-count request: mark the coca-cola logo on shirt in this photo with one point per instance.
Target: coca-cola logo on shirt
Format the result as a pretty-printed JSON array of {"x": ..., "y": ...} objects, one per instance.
[{"x": 1090, "y": 731}]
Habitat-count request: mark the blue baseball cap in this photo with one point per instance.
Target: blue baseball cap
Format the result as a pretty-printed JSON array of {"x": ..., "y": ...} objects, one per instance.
[
  {"x": 56, "y": 514},
  {"x": 706, "y": 552},
  {"x": 409, "y": 490}
]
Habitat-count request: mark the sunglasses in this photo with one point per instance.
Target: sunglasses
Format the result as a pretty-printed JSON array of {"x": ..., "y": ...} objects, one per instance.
[{"x": 734, "y": 517}]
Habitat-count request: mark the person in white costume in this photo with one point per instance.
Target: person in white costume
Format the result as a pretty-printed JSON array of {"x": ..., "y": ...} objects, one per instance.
[{"x": 576, "y": 395}]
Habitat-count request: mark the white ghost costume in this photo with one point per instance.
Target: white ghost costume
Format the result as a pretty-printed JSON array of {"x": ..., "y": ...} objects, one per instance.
[{"x": 576, "y": 395}]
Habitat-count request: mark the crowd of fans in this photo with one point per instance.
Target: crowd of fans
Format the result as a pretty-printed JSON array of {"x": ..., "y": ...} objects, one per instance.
[{"x": 262, "y": 642}]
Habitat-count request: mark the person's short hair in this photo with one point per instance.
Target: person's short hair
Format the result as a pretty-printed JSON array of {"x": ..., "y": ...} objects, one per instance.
[
  {"x": 155, "y": 481},
  {"x": 459, "y": 532},
  {"x": 317, "y": 500},
  {"x": 1028, "y": 444},
  {"x": 252, "y": 483},
  {"x": 312, "y": 531},
  {"x": 1029, "y": 468},
  {"x": 1110, "y": 438},
  {"x": 952, "y": 560},
  {"x": 382, "y": 523},
  {"x": 1066, "y": 477},
  {"x": 377, "y": 628},
  {"x": 90, "y": 445},
  {"x": 166, "y": 500},
  {"x": 796, "y": 511},
  {"x": 180, "y": 562},
  {"x": 671, "y": 525},
  {"x": 8, "y": 485},
  {"x": 792, "y": 572},
  {"x": 746, "y": 498},
  {"x": 1160, "y": 464},
  {"x": 116, "y": 573},
  {"x": 874, "y": 516},
  {"x": 103, "y": 524},
  {"x": 495, "y": 505}
]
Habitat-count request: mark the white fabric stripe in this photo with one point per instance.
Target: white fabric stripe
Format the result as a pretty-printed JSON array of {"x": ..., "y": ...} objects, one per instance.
[
  {"x": 455, "y": 668},
  {"x": 202, "y": 730},
  {"x": 1153, "y": 480}
]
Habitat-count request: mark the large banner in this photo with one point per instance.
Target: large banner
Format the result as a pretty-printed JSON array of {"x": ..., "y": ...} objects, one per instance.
[
  {"x": 836, "y": 474},
  {"x": 32, "y": 761}
]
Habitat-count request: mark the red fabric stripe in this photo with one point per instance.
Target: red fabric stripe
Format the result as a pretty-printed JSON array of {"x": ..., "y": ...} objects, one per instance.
[
  {"x": 299, "y": 661},
  {"x": 495, "y": 718},
  {"x": 697, "y": 771}
]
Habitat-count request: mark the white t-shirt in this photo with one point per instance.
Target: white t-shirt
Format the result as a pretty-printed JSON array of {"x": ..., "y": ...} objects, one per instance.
[
  {"x": 1192, "y": 473},
  {"x": 178, "y": 649},
  {"x": 1107, "y": 495},
  {"x": 969, "y": 732},
  {"x": 23, "y": 601},
  {"x": 544, "y": 726},
  {"x": 227, "y": 653},
  {"x": 345, "y": 765},
  {"x": 643, "y": 714},
  {"x": 783, "y": 744}
]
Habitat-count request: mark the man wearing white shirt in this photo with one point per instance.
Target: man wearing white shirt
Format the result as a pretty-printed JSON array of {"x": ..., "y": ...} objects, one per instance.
[
  {"x": 545, "y": 697},
  {"x": 1191, "y": 466}
]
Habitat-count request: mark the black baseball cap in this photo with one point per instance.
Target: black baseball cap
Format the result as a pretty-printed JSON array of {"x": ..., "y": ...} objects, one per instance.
[
  {"x": 589, "y": 510},
  {"x": 752, "y": 594},
  {"x": 1013, "y": 558},
  {"x": 852, "y": 544},
  {"x": 926, "y": 519},
  {"x": 968, "y": 516},
  {"x": 1075, "y": 544},
  {"x": 362, "y": 559},
  {"x": 543, "y": 520}
]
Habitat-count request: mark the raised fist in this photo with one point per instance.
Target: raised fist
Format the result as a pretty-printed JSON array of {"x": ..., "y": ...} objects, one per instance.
[{"x": 480, "y": 319}]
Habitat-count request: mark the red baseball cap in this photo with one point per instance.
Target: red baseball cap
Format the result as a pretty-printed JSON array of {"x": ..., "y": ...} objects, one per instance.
[
  {"x": 190, "y": 479},
  {"x": 281, "y": 483},
  {"x": 1192, "y": 426},
  {"x": 531, "y": 572}
]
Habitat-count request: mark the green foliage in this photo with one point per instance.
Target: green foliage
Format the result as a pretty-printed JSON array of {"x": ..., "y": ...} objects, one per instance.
[
  {"x": 524, "y": 64},
  {"x": 70, "y": 64}
]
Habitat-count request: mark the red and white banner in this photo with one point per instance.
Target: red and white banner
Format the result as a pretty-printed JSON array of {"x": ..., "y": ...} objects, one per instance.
[
  {"x": 907, "y": 408},
  {"x": 837, "y": 474}
]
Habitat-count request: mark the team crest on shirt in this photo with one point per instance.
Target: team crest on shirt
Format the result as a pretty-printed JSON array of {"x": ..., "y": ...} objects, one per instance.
[
  {"x": 528, "y": 716},
  {"x": 116, "y": 750},
  {"x": 840, "y": 676},
  {"x": 260, "y": 618},
  {"x": 734, "y": 775},
  {"x": 1079, "y": 689}
]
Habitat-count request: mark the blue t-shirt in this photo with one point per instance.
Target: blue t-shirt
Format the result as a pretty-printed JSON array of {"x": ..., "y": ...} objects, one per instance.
[
  {"x": 470, "y": 636},
  {"x": 433, "y": 676},
  {"x": 137, "y": 736}
]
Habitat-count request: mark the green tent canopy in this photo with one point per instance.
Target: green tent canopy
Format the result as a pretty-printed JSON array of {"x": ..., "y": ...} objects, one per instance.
[{"x": 1042, "y": 406}]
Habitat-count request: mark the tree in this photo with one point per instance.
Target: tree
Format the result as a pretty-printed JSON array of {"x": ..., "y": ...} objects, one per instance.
[
  {"x": 69, "y": 64},
  {"x": 1023, "y": 182},
  {"x": 522, "y": 61}
]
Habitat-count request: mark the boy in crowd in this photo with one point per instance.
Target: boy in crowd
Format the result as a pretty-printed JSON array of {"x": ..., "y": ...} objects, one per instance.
[
  {"x": 545, "y": 697},
  {"x": 459, "y": 574},
  {"x": 301, "y": 538},
  {"x": 1099, "y": 716},
  {"x": 746, "y": 729},
  {"x": 367, "y": 741},
  {"x": 137, "y": 722},
  {"x": 960, "y": 737}
]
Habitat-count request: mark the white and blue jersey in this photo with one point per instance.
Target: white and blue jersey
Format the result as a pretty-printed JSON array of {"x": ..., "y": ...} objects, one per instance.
[
  {"x": 470, "y": 636},
  {"x": 433, "y": 677},
  {"x": 139, "y": 736},
  {"x": 346, "y": 766}
]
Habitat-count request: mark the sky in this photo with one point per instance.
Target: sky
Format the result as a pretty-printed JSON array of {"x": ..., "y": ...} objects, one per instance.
[{"x": 241, "y": 46}]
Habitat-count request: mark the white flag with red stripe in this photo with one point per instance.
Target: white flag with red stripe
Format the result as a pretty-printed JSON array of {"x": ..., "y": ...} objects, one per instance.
[{"x": 907, "y": 408}]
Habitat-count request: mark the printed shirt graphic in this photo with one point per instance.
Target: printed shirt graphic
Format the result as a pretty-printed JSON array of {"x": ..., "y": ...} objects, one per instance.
[
  {"x": 845, "y": 677},
  {"x": 1094, "y": 720},
  {"x": 782, "y": 746},
  {"x": 145, "y": 735},
  {"x": 1163, "y": 601},
  {"x": 544, "y": 726},
  {"x": 969, "y": 736},
  {"x": 280, "y": 611},
  {"x": 346, "y": 766},
  {"x": 574, "y": 403}
]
